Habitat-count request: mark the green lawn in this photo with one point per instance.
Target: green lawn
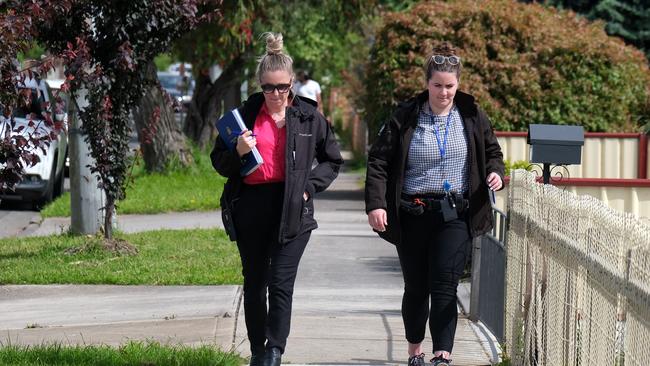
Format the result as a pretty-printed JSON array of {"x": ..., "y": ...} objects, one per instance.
[
  {"x": 133, "y": 353},
  {"x": 196, "y": 188},
  {"x": 166, "y": 257}
]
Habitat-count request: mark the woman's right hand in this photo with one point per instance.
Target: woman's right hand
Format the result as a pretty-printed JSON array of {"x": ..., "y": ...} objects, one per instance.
[
  {"x": 378, "y": 219},
  {"x": 245, "y": 142}
]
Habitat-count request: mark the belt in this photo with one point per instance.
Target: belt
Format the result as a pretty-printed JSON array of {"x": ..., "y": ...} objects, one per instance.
[{"x": 431, "y": 202}]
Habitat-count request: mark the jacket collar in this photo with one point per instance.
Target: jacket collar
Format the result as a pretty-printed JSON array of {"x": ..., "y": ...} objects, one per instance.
[
  {"x": 466, "y": 103},
  {"x": 407, "y": 112}
]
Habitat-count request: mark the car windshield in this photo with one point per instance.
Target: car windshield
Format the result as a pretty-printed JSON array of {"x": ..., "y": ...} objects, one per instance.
[
  {"x": 169, "y": 81},
  {"x": 173, "y": 81}
]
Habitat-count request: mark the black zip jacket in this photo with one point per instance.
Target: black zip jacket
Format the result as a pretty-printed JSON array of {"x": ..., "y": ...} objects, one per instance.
[
  {"x": 387, "y": 161},
  {"x": 309, "y": 137}
]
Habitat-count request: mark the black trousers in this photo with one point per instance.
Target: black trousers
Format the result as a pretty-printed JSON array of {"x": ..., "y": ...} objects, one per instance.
[
  {"x": 267, "y": 265},
  {"x": 432, "y": 255}
]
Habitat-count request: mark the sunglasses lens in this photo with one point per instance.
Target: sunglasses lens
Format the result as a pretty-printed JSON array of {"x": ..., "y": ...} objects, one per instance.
[
  {"x": 268, "y": 88},
  {"x": 439, "y": 59},
  {"x": 281, "y": 88}
]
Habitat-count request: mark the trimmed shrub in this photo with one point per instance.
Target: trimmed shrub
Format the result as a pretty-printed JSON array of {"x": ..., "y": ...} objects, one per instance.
[{"x": 525, "y": 63}]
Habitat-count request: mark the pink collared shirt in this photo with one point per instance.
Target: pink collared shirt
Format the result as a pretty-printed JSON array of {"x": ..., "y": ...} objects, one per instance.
[{"x": 271, "y": 143}]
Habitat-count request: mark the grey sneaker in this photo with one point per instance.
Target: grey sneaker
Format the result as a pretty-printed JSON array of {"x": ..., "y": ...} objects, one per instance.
[
  {"x": 440, "y": 361},
  {"x": 417, "y": 360}
]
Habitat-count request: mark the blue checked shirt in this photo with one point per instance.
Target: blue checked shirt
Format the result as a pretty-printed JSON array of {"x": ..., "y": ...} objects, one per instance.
[{"x": 424, "y": 170}]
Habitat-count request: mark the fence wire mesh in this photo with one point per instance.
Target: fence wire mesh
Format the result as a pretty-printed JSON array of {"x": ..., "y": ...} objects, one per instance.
[{"x": 577, "y": 279}]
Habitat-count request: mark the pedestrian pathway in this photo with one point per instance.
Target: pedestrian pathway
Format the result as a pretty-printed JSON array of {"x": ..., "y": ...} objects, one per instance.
[
  {"x": 349, "y": 292},
  {"x": 346, "y": 306}
]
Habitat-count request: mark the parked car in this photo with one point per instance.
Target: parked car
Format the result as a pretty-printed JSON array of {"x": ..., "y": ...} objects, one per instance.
[
  {"x": 44, "y": 181},
  {"x": 179, "y": 87},
  {"x": 55, "y": 87},
  {"x": 176, "y": 68}
]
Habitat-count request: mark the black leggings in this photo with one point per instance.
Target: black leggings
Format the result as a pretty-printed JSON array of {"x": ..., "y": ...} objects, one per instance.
[
  {"x": 432, "y": 255},
  {"x": 266, "y": 264}
]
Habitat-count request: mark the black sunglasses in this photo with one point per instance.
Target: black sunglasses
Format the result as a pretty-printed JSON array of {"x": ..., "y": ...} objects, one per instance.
[{"x": 281, "y": 88}]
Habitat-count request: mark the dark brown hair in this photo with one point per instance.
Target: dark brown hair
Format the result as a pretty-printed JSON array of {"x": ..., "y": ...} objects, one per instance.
[{"x": 443, "y": 49}]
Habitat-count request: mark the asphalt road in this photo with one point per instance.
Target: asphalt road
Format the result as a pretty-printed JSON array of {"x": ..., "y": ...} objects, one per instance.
[
  {"x": 15, "y": 216},
  {"x": 13, "y": 221}
]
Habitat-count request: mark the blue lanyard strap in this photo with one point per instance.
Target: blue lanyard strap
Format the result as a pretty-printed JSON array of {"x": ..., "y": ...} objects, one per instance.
[
  {"x": 442, "y": 147},
  {"x": 446, "y": 186}
]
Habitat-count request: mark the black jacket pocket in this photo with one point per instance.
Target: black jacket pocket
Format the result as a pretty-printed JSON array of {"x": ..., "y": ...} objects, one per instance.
[
  {"x": 226, "y": 214},
  {"x": 228, "y": 224}
]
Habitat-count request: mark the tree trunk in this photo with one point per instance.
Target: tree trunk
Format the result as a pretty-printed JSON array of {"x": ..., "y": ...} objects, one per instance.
[
  {"x": 160, "y": 138},
  {"x": 108, "y": 217},
  {"x": 210, "y": 100}
]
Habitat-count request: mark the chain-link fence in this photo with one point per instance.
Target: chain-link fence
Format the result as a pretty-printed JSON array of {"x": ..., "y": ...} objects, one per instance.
[{"x": 577, "y": 279}]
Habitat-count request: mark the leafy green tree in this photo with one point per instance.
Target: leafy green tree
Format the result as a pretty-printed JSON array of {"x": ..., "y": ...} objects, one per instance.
[
  {"x": 320, "y": 35},
  {"x": 225, "y": 42},
  {"x": 628, "y": 19}
]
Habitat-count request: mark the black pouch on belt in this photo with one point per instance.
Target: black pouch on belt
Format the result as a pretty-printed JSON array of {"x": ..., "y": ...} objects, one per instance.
[
  {"x": 448, "y": 208},
  {"x": 411, "y": 208}
]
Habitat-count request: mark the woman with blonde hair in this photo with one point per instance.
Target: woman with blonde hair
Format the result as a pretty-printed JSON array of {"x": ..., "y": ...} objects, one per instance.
[{"x": 272, "y": 209}]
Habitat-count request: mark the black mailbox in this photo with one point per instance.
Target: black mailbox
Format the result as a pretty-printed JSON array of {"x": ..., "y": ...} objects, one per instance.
[{"x": 555, "y": 144}]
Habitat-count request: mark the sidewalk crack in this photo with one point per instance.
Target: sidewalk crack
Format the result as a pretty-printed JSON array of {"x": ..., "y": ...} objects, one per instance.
[{"x": 240, "y": 296}]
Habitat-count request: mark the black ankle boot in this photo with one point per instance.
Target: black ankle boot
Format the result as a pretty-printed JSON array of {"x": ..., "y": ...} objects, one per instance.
[
  {"x": 273, "y": 357},
  {"x": 257, "y": 359}
]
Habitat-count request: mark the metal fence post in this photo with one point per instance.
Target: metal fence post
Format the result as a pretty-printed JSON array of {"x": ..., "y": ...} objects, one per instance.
[{"x": 476, "y": 279}]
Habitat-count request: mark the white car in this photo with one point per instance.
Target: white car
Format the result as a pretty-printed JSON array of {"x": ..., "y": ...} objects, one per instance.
[
  {"x": 44, "y": 181},
  {"x": 178, "y": 87},
  {"x": 176, "y": 68},
  {"x": 55, "y": 87}
]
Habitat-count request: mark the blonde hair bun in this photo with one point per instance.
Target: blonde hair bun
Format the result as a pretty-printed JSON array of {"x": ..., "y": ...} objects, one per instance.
[
  {"x": 273, "y": 59},
  {"x": 274, "y": 43}
]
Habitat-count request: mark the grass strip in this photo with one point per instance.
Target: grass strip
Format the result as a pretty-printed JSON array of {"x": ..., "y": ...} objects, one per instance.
[
  {"x": 194, "y": 188},
  {"x": 165, "y": 257},
  {"x": 132, "y": 353}
]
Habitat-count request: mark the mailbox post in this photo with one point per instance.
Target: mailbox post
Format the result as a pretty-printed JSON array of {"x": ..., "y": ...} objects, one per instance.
[{"x": 555, "y": 144}]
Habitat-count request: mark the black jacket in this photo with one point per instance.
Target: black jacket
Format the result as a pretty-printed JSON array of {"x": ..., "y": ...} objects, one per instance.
[
  {"x": 387, "y": 161},
  {"x": 309, "y": 137}
]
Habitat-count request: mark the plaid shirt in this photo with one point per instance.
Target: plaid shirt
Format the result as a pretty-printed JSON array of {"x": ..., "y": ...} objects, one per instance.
[{"x": 424, "y": 169}]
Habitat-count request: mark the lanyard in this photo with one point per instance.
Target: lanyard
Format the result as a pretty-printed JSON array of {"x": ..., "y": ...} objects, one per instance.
[{"x": 443, "y": 149}]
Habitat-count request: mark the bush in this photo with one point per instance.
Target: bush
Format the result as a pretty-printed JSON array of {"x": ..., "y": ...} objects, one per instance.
[
  {"x": 525, "y": 63},
  {"x": 514, "y": 165}
]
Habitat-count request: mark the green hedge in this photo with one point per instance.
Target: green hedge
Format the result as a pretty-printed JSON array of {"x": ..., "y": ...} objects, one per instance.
[{"x": 525, "y": 63}]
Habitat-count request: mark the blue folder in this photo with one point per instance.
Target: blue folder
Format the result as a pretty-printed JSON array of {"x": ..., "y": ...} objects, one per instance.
[{"x": 230, "y": 126}]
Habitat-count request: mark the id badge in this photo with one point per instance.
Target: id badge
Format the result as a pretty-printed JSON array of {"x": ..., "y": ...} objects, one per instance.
[{"x": 448, "y": 210}]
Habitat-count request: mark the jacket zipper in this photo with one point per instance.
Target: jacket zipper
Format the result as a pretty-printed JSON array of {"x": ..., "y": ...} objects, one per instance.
[
  {"x": 283, "y": 218},
  {"x": 470, "y": 151},
  {"x": 293, "y": 153}
]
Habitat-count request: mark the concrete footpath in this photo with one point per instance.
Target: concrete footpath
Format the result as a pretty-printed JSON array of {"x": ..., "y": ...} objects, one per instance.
[{"x": 346, "y": 303}]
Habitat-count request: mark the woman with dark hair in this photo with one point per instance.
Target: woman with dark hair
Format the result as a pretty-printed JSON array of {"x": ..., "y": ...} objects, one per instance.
[
  {"x": 427, "y": 191},
  {"x": 307, "y": 87}
]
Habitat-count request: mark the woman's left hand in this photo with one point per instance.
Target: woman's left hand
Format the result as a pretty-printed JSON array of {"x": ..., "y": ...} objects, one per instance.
[{"x": 494, "y": 181}]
